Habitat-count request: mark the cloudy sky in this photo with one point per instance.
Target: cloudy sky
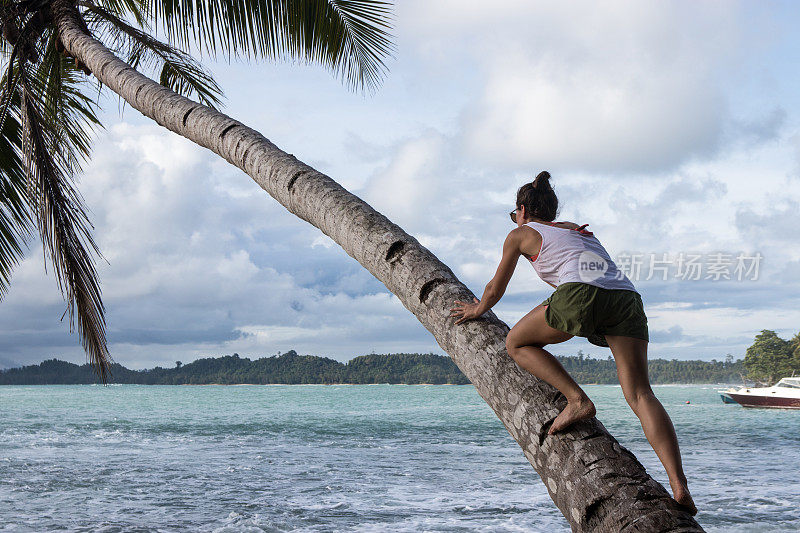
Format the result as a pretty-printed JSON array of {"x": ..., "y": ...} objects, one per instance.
[{"x": 671, "y": 128}]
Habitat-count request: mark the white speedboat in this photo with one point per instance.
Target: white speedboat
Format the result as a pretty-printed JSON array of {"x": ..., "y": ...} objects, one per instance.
[{"x": 785, "y": 394}]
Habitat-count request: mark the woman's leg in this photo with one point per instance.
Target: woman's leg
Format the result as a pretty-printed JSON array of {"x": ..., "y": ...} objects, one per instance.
[
  {"x": 631, "y": 356},
  {"x": 525, "y": 344}
]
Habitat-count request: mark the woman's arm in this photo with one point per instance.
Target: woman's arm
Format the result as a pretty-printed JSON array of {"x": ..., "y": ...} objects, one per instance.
[{"x": 497, "y": 286}]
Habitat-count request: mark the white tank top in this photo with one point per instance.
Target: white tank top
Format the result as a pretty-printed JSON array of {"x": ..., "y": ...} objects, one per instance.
[{"x": 575, "y": 254}]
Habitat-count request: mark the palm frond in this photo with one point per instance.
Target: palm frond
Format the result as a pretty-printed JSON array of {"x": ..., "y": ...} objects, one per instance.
[
  {"x": 70, "y": 112},
  {"x": 349, "y": 37},
  {"x": 22, "y": 23},
  {"x": 15, "y": 218},
  {"x": 176, "y": 69},
  {"x": 51, "y": 149},
  {"x": 185, "y": 80},
  {"x": 120, "y": 8},
  {"x": 9, "y": 82}
]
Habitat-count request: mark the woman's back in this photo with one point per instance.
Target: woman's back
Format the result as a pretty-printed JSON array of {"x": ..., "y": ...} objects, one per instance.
[{"x": 570, "y": 253}]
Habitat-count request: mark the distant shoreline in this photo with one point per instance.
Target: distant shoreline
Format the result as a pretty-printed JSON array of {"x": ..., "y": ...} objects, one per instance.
[
  {"x": 374, "y": 369},
  {"x": 244, "y": 384},
  {"x": 716, "y": 384},
  {"x": 300, "y": 384}
]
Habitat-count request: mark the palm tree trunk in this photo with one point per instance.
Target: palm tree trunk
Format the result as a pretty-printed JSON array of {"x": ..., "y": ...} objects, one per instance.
[{"x": 596, "y": 483}]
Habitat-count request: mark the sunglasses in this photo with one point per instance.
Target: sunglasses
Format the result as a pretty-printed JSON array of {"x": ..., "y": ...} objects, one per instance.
[{"x": 514, "y": 215}]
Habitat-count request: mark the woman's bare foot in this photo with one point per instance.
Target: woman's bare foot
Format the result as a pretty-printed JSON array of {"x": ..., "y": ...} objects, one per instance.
[
  {"x": 681, "y": 494},
  {"x": 574, "y": 411}
]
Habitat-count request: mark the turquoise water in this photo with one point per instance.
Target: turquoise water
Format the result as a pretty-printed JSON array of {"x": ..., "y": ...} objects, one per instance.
[{"x": 348, "y": 458}]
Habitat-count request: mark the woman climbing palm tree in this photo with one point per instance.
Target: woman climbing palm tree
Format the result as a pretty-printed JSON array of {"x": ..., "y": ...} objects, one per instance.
[{"x": 593, "y": 299}]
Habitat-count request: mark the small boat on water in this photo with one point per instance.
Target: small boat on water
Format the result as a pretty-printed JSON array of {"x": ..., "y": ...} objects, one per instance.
[
  {"x": 725, "y": 398},
  {"x": 785, "y": 394}
]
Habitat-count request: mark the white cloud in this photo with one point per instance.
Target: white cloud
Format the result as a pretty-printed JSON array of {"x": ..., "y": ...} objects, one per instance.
[
  {"x": 264, "y": 335},
  {"x": 324, "y": 241},
  {"x": 614, "y": 87},
  {"x": 411, "y": 182}
]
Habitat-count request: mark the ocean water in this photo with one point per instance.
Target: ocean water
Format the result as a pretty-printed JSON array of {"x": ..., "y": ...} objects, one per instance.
[{"x": 349, "y": 458}]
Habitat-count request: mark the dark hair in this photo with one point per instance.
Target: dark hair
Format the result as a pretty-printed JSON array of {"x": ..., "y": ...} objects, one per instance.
[{"x": 539, "y": 198}]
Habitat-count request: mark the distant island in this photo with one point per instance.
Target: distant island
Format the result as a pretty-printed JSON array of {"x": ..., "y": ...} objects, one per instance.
[{"x": 406, "y": 368}]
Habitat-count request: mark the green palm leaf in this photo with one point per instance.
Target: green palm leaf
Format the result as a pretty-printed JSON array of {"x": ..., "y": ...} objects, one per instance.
[
  {"x": 15, "y": 220},
  {"x": 349, "y": 37},
  {"x": 56, "y": 119},
  {"x": 175, "y": 69}
]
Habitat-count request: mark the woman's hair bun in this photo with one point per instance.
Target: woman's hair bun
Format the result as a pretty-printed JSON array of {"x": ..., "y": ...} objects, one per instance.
[
  {"x": 543, "y": 178},
  {"x": 539, "y": 198}
]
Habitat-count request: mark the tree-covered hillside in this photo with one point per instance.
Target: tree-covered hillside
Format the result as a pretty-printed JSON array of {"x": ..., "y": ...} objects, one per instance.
[
  {"x": 771, "y": 358},
  {"x": 589, "y": 370},
  {"x": 291, "y": 368}
]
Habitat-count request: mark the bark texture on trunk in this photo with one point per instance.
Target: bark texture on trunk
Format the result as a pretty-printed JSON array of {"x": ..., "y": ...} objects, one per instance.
[{"x": 597, "y": 484}]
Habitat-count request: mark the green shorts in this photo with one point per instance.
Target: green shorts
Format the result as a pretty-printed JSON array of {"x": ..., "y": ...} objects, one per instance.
[{"x": 590, "y": 311}]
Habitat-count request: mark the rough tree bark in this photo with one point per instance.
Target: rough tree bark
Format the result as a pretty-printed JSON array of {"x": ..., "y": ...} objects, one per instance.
[{"x": 597, "y": 484}]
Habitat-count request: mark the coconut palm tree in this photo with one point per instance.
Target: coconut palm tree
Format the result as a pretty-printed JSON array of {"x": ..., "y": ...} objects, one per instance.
[
  {"x": 597, "y": 484},
  {"x": 47, "y": 109}
]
